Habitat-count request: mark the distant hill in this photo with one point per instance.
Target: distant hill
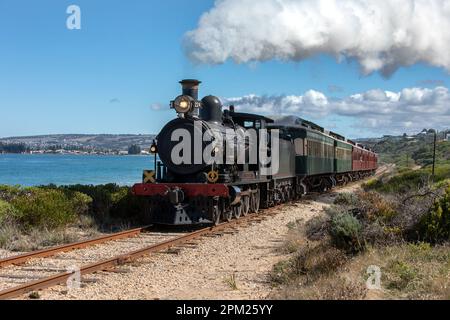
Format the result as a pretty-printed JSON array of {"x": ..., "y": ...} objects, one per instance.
[
  {"x": 412, "y": 150},
  {"x": 95, "y": 142},
  {"x": 416, "y": 149}
]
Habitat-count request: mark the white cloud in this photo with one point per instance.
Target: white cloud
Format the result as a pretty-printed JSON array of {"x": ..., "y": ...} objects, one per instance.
[
  {"x": 381, "y": 35},
  {"x": 409, "y": 110}
]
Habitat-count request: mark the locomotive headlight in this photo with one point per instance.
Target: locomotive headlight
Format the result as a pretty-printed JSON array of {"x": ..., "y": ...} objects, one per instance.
[{"x": 183, "y": 104}]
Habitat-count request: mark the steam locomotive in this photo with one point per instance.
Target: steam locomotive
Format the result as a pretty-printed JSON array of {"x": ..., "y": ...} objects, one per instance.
[{"x": 217, "y": 165}]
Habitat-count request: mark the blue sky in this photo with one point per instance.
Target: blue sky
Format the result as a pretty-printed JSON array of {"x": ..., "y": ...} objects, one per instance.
[{"x": 129, "y": 55}]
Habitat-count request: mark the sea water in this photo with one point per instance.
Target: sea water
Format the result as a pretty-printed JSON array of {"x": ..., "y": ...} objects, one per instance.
[{"x": 43, "y": 169}]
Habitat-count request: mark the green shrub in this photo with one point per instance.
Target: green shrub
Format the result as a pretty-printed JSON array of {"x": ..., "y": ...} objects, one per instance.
[
  {"x": 435, "y": 226},
  {"x": 7, "y": 211},
  {"x": 81, "y": 202},
  {"x": 310, "y": 263},
  {"x": 109, "y": 200},
  {"x": 49, "y": 207},
  {"x": 345, "y": 231},
  {"x": 7, "y": 193},
  {"x": 423, "y": 251},
  {"x": 410, "y": 180},
  {"x": 100, "y": 195},
  {"x": 52, "y": 206},
  {"x": 443, "y": 184},
  {"x": 334, "y": 210},
  {"x": 442, "y": 172},
  {"x": 372, "y": 184},
  {"x": 376, "y": 206},
  {"x": 346, "y": 199},
  {"x": 282, "y": 272},
  {"x": 400, "y": 275},
  {"x": 317, "y": 228},
  {"x": 45, "y": 208}
]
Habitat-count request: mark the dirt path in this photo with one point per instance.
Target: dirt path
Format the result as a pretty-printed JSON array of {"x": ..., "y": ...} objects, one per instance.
[{"x": 205, "y": 271}]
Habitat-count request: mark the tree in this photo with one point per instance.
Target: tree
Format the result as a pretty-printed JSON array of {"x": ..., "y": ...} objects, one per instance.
[
  {"x": 13, "y": 148},
  {"x": 134, "y": 149}
]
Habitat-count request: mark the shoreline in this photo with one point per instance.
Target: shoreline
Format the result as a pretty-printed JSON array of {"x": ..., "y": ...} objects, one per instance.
[{"x": 72, "y": 169}]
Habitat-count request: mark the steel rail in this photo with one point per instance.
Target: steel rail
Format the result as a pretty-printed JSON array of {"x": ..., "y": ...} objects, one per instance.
[
  {"x": 122, "y": 259},
  {"x": 68, "y": 247}
]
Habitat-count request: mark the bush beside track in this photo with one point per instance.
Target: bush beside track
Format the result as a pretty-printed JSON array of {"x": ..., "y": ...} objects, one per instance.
[
  {"x": 33, "y": 217},
  {"x": 400, "y": 223}
]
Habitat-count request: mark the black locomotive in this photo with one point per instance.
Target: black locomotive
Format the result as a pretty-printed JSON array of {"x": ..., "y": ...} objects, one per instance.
[{"x": 215, "y": 165}]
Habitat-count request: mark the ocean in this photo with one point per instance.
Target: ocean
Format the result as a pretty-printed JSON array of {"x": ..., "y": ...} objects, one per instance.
[{"x": 35, "y": 170}]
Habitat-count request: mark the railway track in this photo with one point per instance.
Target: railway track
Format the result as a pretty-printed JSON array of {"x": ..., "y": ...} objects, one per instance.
[
  {"x": 59, "y": 275},
  {"x": 14, "y": 260},
  {"x": 145, "y": 244}
]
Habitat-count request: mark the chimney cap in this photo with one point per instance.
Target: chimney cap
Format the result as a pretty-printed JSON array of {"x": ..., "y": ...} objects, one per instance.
[{"x": 190, "y": 82}]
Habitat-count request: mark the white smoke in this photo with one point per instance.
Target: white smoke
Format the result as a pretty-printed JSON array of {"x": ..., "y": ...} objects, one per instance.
[
  {"x": 409, "y": 110},
  {"x": 381, "y": 35}
]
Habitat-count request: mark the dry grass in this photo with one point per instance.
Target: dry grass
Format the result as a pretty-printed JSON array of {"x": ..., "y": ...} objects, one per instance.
[
  {"x": 326, "y": 288},
  {"x": 319, "y": 271},
  {"x": 311, "y": 262},
  {"x": 14, "y": 238},
  {"x": 230, "y": 281},
  {"x": 331, "y": 257},
  {"x": 9, "y": 234},
  {"x": 409, "y": 271}
]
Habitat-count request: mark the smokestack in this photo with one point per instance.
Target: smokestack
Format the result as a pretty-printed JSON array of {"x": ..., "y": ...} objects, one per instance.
[{"x": 190, "y": 87}]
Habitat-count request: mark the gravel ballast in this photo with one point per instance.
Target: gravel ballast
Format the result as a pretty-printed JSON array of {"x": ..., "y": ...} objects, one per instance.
[{"x": 230, "y": 266}]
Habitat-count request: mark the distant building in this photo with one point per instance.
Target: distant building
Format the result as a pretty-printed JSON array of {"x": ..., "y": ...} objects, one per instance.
[
  {"x": 447, "y": 137},
  {"x": 423, "y": 132}
]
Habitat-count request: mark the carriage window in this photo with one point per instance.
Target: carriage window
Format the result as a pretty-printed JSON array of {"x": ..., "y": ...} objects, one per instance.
[
  {"x": 299, "y": 147},
  {"x": 248, "y": 124},
  {"x": 258, "y": 124}
]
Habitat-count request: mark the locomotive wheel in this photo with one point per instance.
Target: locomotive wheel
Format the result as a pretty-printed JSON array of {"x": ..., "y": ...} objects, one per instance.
[
  {"x": 216, "y": 215},
  {"x": 237, "y": 210},
  {"x": 282, "y": 196},
  {"x": 254, "y": 202},
  {"x": 286, "y": 195},
  {"x": 257, "y": 201},
  {"x": 245, "y": 205},
  {"x": 227, "y": 214},
  {"x": 292, "y": 193}
]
